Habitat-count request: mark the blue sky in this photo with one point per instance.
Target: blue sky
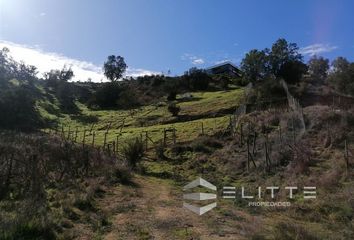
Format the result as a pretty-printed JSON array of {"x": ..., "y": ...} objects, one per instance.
[{"x": 162, "y": 35}]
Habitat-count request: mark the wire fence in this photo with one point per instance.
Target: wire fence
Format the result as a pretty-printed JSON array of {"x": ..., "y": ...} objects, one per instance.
[{"x": 256, "y": 137}]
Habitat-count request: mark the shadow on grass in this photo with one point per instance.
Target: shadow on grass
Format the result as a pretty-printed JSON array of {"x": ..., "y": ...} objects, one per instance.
[{"x": 85, "y": 118}]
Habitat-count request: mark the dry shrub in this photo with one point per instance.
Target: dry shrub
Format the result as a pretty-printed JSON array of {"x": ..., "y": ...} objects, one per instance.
[
  {"x": 301, "y": 158},
  {"x": 31, "y": 163},
  {"x": 287, "y": 230},
  {"x": 42, "y": 179},
  {"x": 330, "y": 179}
]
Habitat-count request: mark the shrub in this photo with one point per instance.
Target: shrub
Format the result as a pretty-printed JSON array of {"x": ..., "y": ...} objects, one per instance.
[
  {"x": 172, "y": 95},
  {"x": 107, "y": 95},
  {"x": 174, "y": 109},
  {"x": 133, "y": 152},
  {"x": 285, "y": 230}
]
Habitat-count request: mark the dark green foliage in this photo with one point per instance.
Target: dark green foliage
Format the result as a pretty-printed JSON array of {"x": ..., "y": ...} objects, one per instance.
[
  {"x": 292, "y": 71},
  {"x": 318, "y": 69},
  {"x": 56, "y": 77},
  {"x": 57, "y": 81},
  {"x": 281, "y": 61},
  {"x": 269, "y": 89},
  {"x": 128, "y": 98},
  {"x": 197, "y": 79},
  {"x": 114, "y": 67},
  {"x": 65, "y": 93},
  {"x": 133, "y": 152},
  {"x": 18, "y": 95},
  {"x": 106, "y": 96},
  {"x": 342, "y": 76},
  {"x": 174, "y": 109},
  {"x": 281, "y": 53},
  {"x": 29, "y": 230},
  {"x": 114, "y": 95},
  {"x": 172, "y": 95},
  {"x": 17, "y": 107},
  {"x": 255, "y": 65},
  {"x": 171, "y": 89}
]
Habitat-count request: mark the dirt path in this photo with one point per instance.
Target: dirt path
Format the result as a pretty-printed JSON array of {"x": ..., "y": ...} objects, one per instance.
[{"x": 152, "y": 209}]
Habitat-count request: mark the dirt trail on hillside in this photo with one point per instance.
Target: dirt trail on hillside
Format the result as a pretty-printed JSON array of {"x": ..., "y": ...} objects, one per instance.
[{"x": 152, "y": 209}]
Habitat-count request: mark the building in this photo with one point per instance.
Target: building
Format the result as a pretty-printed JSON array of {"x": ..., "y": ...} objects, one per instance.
[{"x": 227, "y": 68}]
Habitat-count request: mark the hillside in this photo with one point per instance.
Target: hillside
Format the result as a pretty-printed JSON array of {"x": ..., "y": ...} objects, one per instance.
[
  {"x": 210, "y": 109},
  {"x": 120, "y": 159},
  {"x": 316, "y": 158}
]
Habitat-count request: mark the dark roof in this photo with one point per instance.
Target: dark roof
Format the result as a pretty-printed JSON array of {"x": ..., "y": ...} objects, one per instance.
[
  {"x": 218, "y": 67},
  {"x": 222, "y": 64}
]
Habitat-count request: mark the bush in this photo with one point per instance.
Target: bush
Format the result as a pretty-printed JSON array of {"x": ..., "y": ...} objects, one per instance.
[
  {"x": 133, "y": 152},
  {"x": 285, "y": 230},
  {"x": 106, "y": 96},
  {"x": 197, "y": 79},
  {"x": 172, "y": 95},
  {"x": 174, "y": 109},
  {"x": 18, "y": 111}
]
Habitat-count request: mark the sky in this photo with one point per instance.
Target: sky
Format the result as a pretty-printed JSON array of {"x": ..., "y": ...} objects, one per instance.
[{"x": 161, "y": 36}]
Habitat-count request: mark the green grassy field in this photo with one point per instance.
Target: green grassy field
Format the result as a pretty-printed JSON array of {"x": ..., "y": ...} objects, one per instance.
[{"x": 128, "y": 124}]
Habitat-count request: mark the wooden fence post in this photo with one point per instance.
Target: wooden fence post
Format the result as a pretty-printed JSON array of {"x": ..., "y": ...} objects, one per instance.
[
  {"x": 93, "y": 138},
  {"x": 105, "y": 139},
  {"x": 241, "y": 134},
  {"x": 114, "y": 147},
  {"x": 254, "y": 143},
  {"x": 146, "y": 140},
  {"x": 69, "y": 133},
  {"x": 293, "y": 126},
  {"x": 248, "y": 155},
  {"x": 164, "y": 137},
  {"x": 232, "y": 127},
  {"x": 175, "y": 136},
  {"x": 117, "y": 143},
  {"x": 76, "y": 132},
  {"x": 84, "y": 138},
  {"x": 346, "y": 154},
  {"x": 62, "y": 132}
]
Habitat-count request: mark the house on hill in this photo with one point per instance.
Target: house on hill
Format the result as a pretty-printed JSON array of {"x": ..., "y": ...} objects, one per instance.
[{"x": 227, "y": 68}]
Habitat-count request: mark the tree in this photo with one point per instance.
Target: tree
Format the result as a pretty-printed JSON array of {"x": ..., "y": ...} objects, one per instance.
[
  {"x": 26, "y": 72},
  {"x": 342, "y": 75},
  {"x": 255, "y": 65},
  {"x": 55, "y": 77},
  {"x": 340, "y": 64},
  {"x": 318, "y": 69},
  {"x": 281, "y": 53},
  {"x": 292, "y": 71},
  {"x": 114, "y": 67},
  {"x": 198, "y": 79}
]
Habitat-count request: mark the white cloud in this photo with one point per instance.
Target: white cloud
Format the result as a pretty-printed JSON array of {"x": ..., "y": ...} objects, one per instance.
[
  {"x": 222, "y": 61},
  {"x": 42, "y": 14},
  {"x": 193, "y": 59},
  {"x": 317, "y": 48},
  {"x": 198, "y": 61},
  {"x": 46, "y": 61}
]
